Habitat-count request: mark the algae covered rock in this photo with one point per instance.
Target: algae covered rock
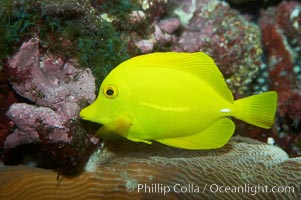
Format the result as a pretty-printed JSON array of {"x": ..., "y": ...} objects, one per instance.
[{"x": 59, "y": 90}]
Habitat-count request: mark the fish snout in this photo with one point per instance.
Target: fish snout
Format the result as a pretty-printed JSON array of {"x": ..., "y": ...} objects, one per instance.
[
  {"x": 91, "y": 113},
  {"x": 84, "y": 113},
  {"x": 88, "y": 113}
]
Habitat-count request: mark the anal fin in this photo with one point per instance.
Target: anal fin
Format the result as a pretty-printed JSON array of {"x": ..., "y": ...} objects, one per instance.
[{"x": 214, "y": 136}]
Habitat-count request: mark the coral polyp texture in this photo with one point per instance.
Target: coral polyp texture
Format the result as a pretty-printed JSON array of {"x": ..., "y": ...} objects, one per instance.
[
  {"x": 126, "y": 170},
  {"x": 58, "y": 89}
]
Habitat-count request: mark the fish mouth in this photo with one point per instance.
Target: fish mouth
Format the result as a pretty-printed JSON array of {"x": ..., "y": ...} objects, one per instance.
[{"x": 84, "y": 114}]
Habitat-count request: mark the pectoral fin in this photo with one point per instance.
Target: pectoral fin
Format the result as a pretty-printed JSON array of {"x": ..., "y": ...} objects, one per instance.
[
  {"x": 215, "y": 136},
  {"x": 119, "y": 126}
]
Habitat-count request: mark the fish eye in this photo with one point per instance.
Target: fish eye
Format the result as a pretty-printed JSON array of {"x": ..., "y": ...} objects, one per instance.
[{"x": 110, "y": 91}]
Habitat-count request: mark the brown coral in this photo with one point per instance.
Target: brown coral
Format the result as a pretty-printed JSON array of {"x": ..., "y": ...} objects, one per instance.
[{"x": 122, "y": 167}]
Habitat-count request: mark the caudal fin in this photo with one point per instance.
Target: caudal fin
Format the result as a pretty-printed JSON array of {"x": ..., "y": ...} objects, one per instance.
[{"x": 258, "y": 110}]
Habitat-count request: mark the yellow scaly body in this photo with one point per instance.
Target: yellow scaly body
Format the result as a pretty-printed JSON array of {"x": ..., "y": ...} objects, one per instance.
[{"x": 178, "y": 99}]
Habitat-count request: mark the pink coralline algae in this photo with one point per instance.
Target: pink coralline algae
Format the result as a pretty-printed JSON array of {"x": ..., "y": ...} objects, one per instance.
[
  {"x": 49, "y": 81},
  {"x": 145, "y": 30},
  {"x": 159, "y": 36},
  {"x": 231, "y": 40},
  {"x": 27, "y": 118},
  {"x": 281, "y": 38},
  {"x": 58, "y": 91},
  {"x": 169, "y": 25}
]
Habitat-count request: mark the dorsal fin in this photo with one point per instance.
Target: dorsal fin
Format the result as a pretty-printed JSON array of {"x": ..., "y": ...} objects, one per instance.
[{"x": 199, "y": 64}]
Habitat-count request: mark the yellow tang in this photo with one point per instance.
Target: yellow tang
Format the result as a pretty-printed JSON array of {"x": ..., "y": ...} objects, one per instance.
[{"x": 178, "y": 99}]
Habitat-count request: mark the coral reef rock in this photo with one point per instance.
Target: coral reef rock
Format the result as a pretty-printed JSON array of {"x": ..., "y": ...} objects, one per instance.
[
  {"x": 242, "y": 169},
  {"x": 220, "y": 31},
  {"x": 280, "y": 27},
  {"x": 7, "y": 97},
  {"x": 59, "y": 90},
  {"x": 49, "y": 81}
]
